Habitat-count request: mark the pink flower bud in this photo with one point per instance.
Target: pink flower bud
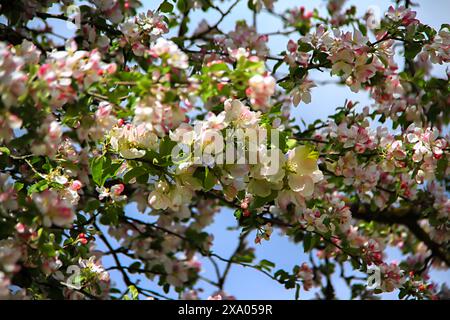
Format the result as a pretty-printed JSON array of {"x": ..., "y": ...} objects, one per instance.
[{"x": 76, "y": 185}]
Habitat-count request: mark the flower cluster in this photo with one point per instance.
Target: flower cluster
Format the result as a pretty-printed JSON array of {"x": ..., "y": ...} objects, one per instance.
[
  {"x": 139, "y": 32},
  {"x": 403, "y": 15},
  {"x": 110, "y": 8},
  {"x": 438, "y": 51},
  {"x": 65, "y": 69},
  {"x": 52, "y": 132},
  {"x": 302, "y": 92},
  {"x": 352, "y": 60},
  {"x": 426, "y": 145},
  {"x": 8, "y": 194},
  {"x": 115, "y": 193},
  {"x": 168, "y": 197},
  {"x": 296, "y": 15},
  {"x": 132, "y": 141},
  {"x": 294, "y": 57},
  {"x": 157, "y": 117},
  {"x": 169, "y": 52},
  {"x": 104, "y": 118},
  {"x": 260, "y": 89},
  {"x": 10, "y": 254},
  {"x": 391, "y": 277},
  {"x": 246, "y": 37},
  {"x": 427, "y": 148},
  {"x": 12, "y": 76},
  {"x": 335, "y": 7},
  {"x": 90, "y": 275},
  {"x": 307, "y": 276},
  {"x": 54, "y": 209}
]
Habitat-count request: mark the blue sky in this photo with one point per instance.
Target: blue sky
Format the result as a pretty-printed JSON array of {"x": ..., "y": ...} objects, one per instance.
[{"x": 242, "y": 282}]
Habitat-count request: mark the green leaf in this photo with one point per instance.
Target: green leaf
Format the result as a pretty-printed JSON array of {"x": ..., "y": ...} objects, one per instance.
[
  {"x": 251, "y": 5},
  {"x": 134, "y": 173},
  {"x": 5, "y": 150},
  {"x": 134, "y": 267},
  {"x": 218, "y": 67},
  {"x": 81, "y": 219},
  {"x": 206, "y": 177},
  {"x": 402, "y": 293},
  {"x": 166, "y": 288},
  {"x": 97, "y": 167},
  {"x": 277, "y": 65},
  {"x": 166, "y": 146},
  {"x": 362, "y": 28},
  {"x": 18, "y": 186},
  {"x": 133, "y": 292},
  {"x": 281, "y": 274},
  {"x": 102, "y": 168},
  {"x": 307, "y": 241},
  {"x": 442, "y": 164},
  {"x": 258, "y": 202},
  {"x": 181, "y": 5},
  {"x": 412, "y": 49},
  {"x": 210, "y": 180},
  {"x": 48, "y": 250},
  {"x": 38, "y": 187},
  {"x": 291, "y": 143},
  {"x": 266, "y": 264},
  {"x": 114, "y": 291},
  {"x": 304, "y": 47},
  {"x": 287, "y": 85},
  {"x": 166, "y": 7},
  {"x": 111, "y": 216},
  {"x": 247, "y": 257},
  {"x": 92, "y": 205}
]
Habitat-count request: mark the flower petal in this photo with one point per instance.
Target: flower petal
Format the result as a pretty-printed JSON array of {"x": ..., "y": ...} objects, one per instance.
[{"x": 301, "y": 183}]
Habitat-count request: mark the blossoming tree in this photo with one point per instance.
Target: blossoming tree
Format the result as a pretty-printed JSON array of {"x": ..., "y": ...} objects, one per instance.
[{"x": 89, "y": 125}]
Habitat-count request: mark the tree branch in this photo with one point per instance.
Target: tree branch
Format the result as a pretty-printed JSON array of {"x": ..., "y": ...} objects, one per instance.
[{"x": 239, "y": 247}]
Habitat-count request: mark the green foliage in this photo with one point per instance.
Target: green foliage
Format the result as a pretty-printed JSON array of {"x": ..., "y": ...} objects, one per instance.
[{"x": 102, "y": 168}]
